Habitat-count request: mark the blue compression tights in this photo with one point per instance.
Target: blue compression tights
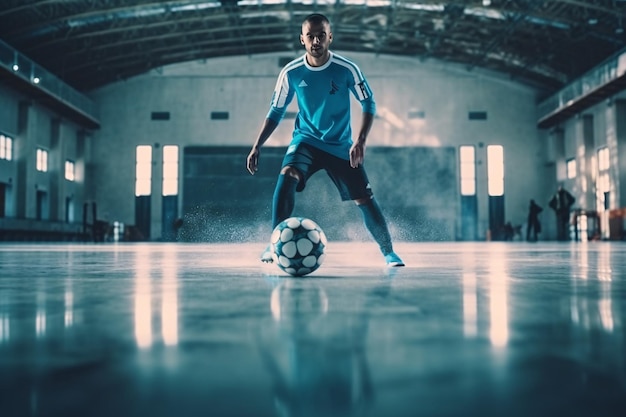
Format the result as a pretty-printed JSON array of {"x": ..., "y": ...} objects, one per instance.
[
  {"x": 284, "y": 202},
  {"x": 376, "y": 224},
  {"x": 284, "y": 198}
]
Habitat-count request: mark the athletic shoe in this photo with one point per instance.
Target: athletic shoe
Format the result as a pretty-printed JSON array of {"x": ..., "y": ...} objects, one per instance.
[
  {"x": 393, "y": 260},
  {"x": 266, "y": 256}
]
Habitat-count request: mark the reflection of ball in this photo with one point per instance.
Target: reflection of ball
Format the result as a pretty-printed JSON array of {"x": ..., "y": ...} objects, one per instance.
[{"x": 298, "y": 246}]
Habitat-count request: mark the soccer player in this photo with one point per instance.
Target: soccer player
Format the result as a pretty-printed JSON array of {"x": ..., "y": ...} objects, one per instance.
[{"x": 322, "y": 139}]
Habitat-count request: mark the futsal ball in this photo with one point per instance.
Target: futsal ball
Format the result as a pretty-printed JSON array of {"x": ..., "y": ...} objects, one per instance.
[{"x": 297, "y": 245}]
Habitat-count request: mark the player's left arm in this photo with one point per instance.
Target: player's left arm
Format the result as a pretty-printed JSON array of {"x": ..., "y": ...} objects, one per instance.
[
  {"x": 363, "y": 93},
  {"x": 357, "y": 151}
]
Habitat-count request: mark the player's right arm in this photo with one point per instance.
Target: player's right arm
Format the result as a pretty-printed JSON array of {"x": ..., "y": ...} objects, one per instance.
[
  {"x": 283, "y": 94},
  {"x": 253, "y": 157}
]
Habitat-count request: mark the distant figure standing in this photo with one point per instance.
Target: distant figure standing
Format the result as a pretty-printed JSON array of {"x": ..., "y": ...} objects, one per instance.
[
  {"x": 561, "y": 203},
  {"x": 534, "y": 226}
]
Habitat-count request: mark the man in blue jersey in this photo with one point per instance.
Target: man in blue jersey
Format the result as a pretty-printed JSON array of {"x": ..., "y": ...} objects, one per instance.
[{"x": 323, "y": 81}]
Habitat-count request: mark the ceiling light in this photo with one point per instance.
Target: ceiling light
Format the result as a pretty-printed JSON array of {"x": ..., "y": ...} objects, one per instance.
[
  {"x": 16, "y": 67},
  {"x": 36, "y": 80}
]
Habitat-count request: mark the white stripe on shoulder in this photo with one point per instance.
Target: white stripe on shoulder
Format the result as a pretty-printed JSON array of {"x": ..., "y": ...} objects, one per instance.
[
  {"x": 354, "y": 69},
  {"x": 298, "y": 62},
  {"x": 281, "y": 89}
]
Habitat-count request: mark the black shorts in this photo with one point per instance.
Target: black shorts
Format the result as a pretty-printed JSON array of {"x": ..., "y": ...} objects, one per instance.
[{"x": 352, "y": 183}]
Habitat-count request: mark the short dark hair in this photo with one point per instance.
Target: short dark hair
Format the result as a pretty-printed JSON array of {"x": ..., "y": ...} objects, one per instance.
[{"x": 316, "y": 18}]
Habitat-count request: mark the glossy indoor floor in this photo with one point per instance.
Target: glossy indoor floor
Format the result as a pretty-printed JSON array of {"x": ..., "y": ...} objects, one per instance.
[{"x": 466, "y": 329}]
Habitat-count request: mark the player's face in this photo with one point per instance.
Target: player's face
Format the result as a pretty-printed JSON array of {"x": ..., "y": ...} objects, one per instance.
[{"x": 316, "y": 38}]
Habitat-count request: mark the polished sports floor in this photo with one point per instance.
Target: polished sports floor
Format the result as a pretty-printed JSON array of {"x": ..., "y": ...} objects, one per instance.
[{"x": 466, "y": 329}]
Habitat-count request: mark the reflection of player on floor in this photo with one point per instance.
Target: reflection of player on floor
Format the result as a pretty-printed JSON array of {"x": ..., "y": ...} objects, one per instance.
[
  {"x": 316, "y": 354},
  {"x": 322, "y": 138}
]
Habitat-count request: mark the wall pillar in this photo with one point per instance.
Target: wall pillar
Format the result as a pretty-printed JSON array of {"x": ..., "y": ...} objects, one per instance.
[
  {"x": 616, "y": 141},
  {"x": 56, "y": 168},
  {"x": 585, "y": 153},
  {"x": 156, "y": 213},
  {"x": 24, "y": 151},
  {"x": 555, "y": 152}
]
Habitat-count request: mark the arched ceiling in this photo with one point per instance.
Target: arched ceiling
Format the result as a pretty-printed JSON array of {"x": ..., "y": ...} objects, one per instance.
[{"x": 90, "y": 43}]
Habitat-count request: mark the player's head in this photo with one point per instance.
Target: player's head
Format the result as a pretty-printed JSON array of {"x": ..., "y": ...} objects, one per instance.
[{"x": 316, "y": 35}]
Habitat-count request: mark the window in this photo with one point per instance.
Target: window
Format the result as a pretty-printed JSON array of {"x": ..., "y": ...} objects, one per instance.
[
  {"x": 70, "y": 170},
  {"x": 42, "y": 160},
  {"x": 604, "y": 182},
  {"x": 467, "y": 160},
  {"x": 495, "y": 173},
  {"x": 170, "y": 170},
  {"x": 143, "y": 170},
  {"x": 219, "y": 115},
  {"x": 6, "y": 148},
  {"x": 603, "y": 159},
  {"x": 477, "y": 115},
  {"x": 160, "y": 115},
  {"x": 570, "y": 165}
]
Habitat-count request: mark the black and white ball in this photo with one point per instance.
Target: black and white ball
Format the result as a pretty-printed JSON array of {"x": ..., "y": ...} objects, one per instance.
[{"x": 298, "y": 245}]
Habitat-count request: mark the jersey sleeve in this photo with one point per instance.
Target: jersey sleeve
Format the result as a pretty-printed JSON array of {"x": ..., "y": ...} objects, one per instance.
[
  {"x": 282, "y": 96},
  {"x": 362, "y": 91}
]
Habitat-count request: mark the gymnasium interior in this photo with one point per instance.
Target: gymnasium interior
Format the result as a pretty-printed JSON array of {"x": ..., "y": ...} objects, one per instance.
[{"x": 131, "y": 231}]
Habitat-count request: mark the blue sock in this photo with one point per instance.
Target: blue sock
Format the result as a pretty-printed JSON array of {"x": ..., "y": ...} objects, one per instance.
[
  {"x": 284, "y": 198},
  {"x": 376, "y": 224}
]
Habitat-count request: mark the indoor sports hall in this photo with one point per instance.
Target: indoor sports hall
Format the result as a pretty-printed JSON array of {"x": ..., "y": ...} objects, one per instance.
[{"x": 132, "y": 230}]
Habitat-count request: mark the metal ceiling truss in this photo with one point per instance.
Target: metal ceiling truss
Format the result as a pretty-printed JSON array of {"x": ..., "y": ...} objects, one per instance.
[{"x": 89, "y": 43}]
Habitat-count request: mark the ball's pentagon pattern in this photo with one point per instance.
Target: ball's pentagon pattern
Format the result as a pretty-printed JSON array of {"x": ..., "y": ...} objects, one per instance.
[{"x": 298, "y": 245}]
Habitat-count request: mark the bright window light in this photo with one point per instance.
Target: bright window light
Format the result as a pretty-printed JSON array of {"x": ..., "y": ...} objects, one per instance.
[
  {"x": 143, "y": 170},
  {"x": 6, "y": 148},
  {"x": 42, "y": 160},
  {"x": 603, "y": 159},
  {"x": 170, "y": 170},
  {"x": 603, "y": 182},
  {"x": 570, "y": 166},
  {"x": 495, "y": 170},
  {"x": 70, "y": 171},
  {"x": 467, "y": 157}
]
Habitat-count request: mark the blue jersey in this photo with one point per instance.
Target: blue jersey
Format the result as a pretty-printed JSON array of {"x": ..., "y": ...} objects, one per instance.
[{"x": 323, "y": 93}]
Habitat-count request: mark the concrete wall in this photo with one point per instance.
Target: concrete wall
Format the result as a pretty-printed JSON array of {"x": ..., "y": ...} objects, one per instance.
[
  {"x": 221, "y": 201},
  {"x": 440, "y": 95},
  {"x": 242, "y": 86},
  {"x": 9, "y": 104},
  {"x": 9, "y": 107},
  {"x": 32, "y": 125},
  {"x": 602, "y": 125}
]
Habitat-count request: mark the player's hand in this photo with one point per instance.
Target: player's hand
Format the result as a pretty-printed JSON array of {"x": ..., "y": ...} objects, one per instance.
[
  {"x": 357, "y": 154},
  {"x": 253, "y": 160}
]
